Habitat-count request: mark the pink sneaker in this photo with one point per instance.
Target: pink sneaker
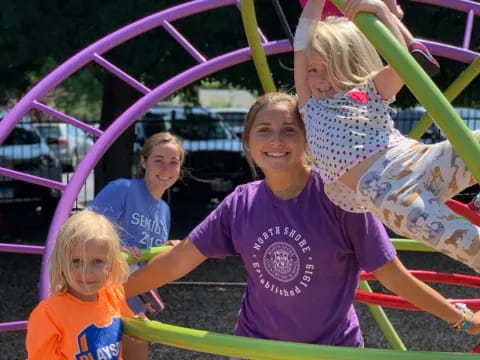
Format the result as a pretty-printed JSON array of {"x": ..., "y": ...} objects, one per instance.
[{"x": 421, "y": 54}]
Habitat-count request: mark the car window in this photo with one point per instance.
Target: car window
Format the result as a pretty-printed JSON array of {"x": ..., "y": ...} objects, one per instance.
[
  {"x": 21, "y": 136},
  {"x": 232, "y": 118},
  {"x": 192, "y": 124},
  {"x": 76, "y": 132},
  {"x": 49, "y": 131},
  {"x": 196, "y": 129}
]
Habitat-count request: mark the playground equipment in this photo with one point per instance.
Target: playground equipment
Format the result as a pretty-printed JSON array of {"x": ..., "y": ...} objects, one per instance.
[{"x": 420, "y": 85}]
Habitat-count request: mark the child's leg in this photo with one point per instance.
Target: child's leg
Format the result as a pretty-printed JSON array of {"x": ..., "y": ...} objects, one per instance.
[
  {"x": 421, "y": 216},
  {"x": 447, "y": 175},
  {"x": 404, "y": 188}
]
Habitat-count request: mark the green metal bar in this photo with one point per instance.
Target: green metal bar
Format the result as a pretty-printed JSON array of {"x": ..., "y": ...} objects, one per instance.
[
  {"x": 463, "y": 80},
  {"x": 411, "y": 245},
  {"x": 383, "y": 322},
  {"x": 249, "y": 348},
  {"x": 400, "y": 244},
  {"x": 423, "y": 88},
  {"x": 146, "y": 254},
  {"x": 259, "y": 58}
]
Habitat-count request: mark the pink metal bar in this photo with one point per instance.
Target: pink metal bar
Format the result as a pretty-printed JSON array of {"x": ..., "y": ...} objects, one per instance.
[
  {"x": 121, "y": 74},
  {"x": 183, "y": 42},
  {"x": 68, "y": 119},
  {"x": 468, "y": 29},
  {"x": 22, "y": 249},
  {"x": 32, "y": 179}
]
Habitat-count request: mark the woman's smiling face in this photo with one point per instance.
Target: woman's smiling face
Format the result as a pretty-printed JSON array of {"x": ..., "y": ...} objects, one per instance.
[
  {"x": 162, "y": 166},
  {"x": 276, "y": 141}
]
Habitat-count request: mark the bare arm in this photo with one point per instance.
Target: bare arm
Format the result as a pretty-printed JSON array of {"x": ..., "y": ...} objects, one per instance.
[
  {"x": 311, "y": 11},
  {"x": 387, "y": 82},
  {"x": 395, "y": 277},
  {"x": 164, "y": 268}
]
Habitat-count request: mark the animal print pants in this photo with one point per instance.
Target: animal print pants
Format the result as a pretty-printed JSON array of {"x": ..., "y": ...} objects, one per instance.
[{"x": 407, "y": 188}]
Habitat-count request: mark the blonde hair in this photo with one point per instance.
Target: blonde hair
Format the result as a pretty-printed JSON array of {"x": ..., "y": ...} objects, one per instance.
[
  {"x": 157, "y": 139},
  {"x": 349, "y": 58},
  {"x": 263, "y": 101},
  {"x": 78, "y": 230}
]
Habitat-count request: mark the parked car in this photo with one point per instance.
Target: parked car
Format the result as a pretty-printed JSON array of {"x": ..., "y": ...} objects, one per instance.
[
  {"x": 405, "y": 120},
  {"x": 215, "y": 163},
  {"x": 234, "y": 118},
  {"x": 26, "y": 151},
  {"x": 69, "y": 143}
]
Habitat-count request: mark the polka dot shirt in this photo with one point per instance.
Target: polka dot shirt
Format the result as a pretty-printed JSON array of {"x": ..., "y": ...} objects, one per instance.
[{"x": 343, "y": 131}]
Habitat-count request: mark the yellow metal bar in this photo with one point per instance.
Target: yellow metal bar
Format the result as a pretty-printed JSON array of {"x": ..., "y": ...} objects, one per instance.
[
  {"x": 249, "y": 19},
  {"x": 465, "y": 78}
]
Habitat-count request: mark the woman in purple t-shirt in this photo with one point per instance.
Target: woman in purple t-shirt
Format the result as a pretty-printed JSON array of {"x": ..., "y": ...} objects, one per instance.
[{"x": 303, "y": 255}]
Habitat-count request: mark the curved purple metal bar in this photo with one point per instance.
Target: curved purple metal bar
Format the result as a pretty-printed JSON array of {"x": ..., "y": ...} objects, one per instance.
[
  {"x": 126, "y": 119},
  {"x": 22, "y": 249},
  {"x": 206, "y": 67}
]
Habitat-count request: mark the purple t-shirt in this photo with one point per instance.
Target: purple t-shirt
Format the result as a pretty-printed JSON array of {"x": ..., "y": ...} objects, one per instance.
[{"x": 303, "y": 257}]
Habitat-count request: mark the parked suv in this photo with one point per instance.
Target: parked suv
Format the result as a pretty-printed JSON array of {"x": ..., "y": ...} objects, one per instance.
[
  {"x": 234, "y": 118},
  {"x": 26, "y": 151},
  {"x": 69, "y": 143},
  {"x": 215, "y": 163}
]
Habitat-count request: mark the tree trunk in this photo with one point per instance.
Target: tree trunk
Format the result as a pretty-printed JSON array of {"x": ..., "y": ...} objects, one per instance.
[{"x": 117, "y": 161}]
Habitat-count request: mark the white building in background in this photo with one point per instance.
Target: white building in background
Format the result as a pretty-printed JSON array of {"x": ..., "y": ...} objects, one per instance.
[{"x": 225, "y": 98}]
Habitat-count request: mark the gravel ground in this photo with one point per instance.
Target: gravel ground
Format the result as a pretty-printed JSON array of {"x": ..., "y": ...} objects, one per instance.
[{"x": 214, "y": 308}]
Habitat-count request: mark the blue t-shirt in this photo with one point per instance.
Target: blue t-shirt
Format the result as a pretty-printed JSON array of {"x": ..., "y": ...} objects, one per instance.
[
  {"x": 303, "y": 257},
  {"x": 142, "y": 220}
]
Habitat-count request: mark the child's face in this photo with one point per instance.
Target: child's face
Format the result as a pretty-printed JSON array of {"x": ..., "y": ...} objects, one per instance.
[
  {"x": 317, "y": 78},
  {"x": 85, "y": 286},
  {"x": 162, "y": 167}
]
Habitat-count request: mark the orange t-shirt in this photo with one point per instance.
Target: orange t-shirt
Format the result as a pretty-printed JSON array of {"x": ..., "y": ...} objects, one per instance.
[{"x": 63, "y": 327}]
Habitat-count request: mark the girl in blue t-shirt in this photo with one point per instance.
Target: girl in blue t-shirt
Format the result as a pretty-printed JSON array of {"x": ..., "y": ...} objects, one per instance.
[{"x": 137, "y": 208}]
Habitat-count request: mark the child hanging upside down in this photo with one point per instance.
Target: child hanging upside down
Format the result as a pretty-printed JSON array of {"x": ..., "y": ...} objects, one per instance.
[{"x": 344, "y": 93}]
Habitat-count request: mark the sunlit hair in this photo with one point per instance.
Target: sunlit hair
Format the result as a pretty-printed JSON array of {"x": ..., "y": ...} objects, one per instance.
[
  {"x": 263, "y": 101},
  {"x": 78, "y": 230},
  {"x": 157, "y": 139},
  {"x": 349, "y": 58}
]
